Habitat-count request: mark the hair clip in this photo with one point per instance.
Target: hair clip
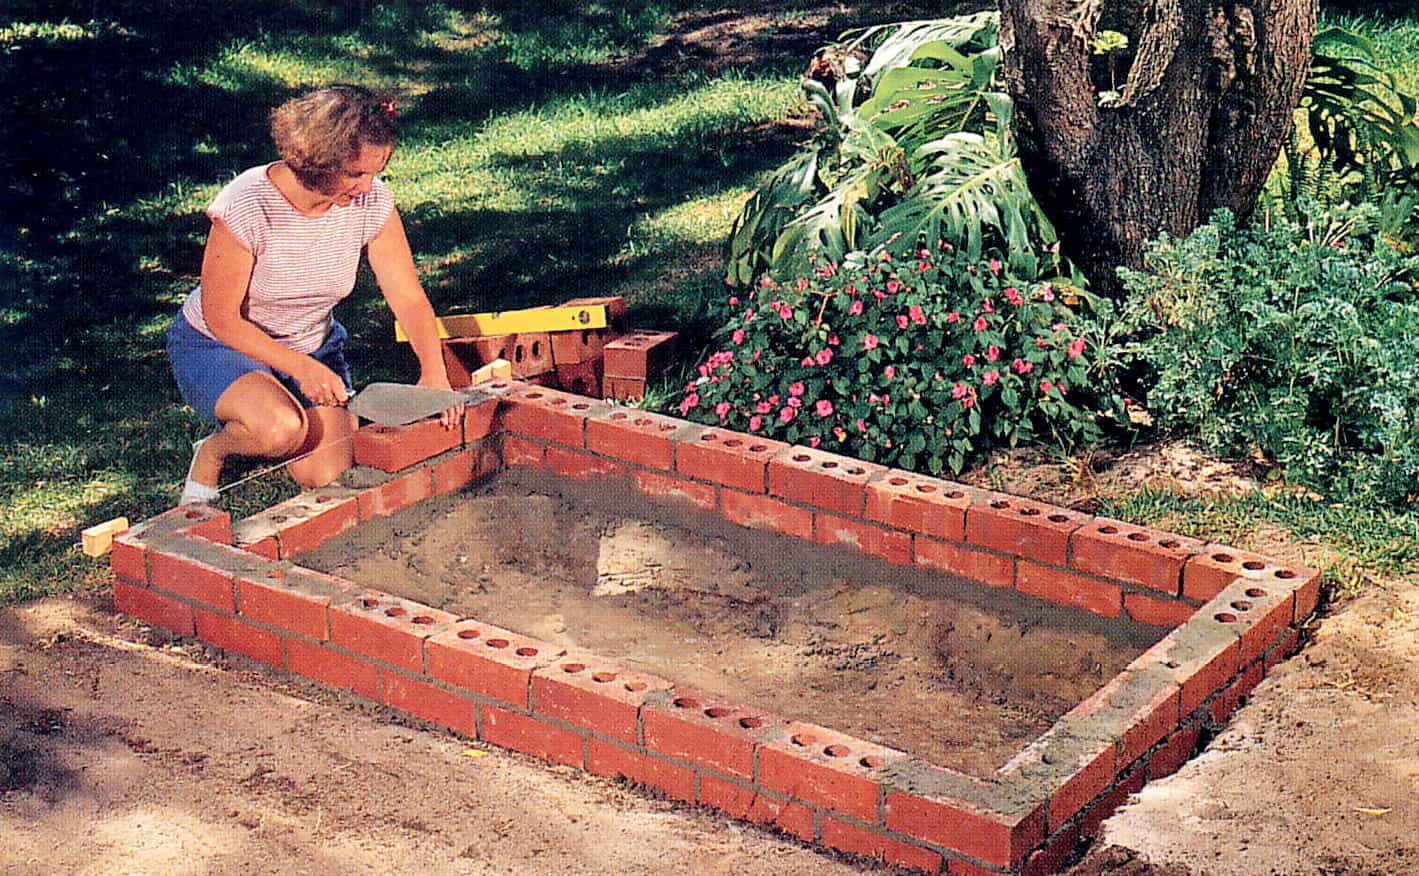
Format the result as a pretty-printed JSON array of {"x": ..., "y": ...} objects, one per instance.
[{"x": 388, "y": 106}]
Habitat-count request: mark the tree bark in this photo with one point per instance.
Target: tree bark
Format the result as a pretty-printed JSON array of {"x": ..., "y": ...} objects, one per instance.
[{"x": 1204, "y": 99}]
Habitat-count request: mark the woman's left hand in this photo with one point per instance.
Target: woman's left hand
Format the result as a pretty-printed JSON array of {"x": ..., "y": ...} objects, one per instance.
[{"x": 451, "y": 417}]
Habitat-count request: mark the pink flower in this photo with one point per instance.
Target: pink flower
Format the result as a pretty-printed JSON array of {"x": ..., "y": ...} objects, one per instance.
[
  {"x": 833, "y": 339},
  {"x": 823, "y": 408},
  {"x": 994, "y": 266},
  {"x": 1076, "y": 348},
  {"x": 802, "y": 284},
  {"x": 787, "y": 414},
  {"x": 990, "y": 377},
  {"x": 889, "y": 372},
  {"x": 969, "y": 401},
  {"x": 968, "y": 360},
  {"x": 1013, "y": 296},
  {"x": 734, "y": 301},
  {"x": 796, "y": 388},
  {"x": 988, "y": 306},
  {"x": 756, "y": 422},
  {"x": 1022, "y": 367},
  {"x": 806, "y": 361},
  {"x": 689, "y": 402},
  {"x": 893, "y": 286},
  {"x": 763, "y": 407},
  {"x": 1059, "y": 326},
  {"x": 765, "y": 282},
  {"x": 959, "y": 390},
  {"x": 953, "y": 317},
  {"x": 861, "y": 425},
  {"x": 814, "y": 441},
  {"x": 738, "y": 336},
  {"x": 749, "y": 315},
  {"x": 1047, "y": 293},
  {"x": 869, "y": 342},
  {"x": 992, "y": 353},
  {"x": 855, "y": 308},
  {"x": 901, "y": 321},
  {"x": 722, "y": 409},
  {"x": 786, "y": 313},
  {"x": 916, "y": 316},
  {"x": 980, "y": 324},
  {"x": 1045, "y": 387},
  {"x": 824, "y": 356},
  {"x": 878, "y": 294}
]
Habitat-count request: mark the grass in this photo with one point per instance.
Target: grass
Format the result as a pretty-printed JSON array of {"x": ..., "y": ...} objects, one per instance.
[{"x": 547, "y": 149}]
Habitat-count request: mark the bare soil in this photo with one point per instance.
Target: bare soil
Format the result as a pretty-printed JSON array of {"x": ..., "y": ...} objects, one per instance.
[{"x": 959, "y": 674}]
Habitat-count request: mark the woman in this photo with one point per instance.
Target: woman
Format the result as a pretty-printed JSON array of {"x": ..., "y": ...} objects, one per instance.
[{"x": 255, "y": 349}]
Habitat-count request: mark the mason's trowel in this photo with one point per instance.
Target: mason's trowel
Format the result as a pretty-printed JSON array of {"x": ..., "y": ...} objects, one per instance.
[{"x": 399, "y": 404}]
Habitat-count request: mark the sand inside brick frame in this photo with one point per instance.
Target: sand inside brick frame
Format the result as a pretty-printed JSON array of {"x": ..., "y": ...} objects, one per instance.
[{"x": 954, "y": 672}]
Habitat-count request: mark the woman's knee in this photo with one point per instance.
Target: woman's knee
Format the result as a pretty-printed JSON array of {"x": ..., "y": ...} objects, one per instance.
[{"x": 280, "y": 433}]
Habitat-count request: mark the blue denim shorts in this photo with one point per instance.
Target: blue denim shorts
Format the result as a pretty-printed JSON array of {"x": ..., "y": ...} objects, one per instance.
[{"x": 205, "y": 367}]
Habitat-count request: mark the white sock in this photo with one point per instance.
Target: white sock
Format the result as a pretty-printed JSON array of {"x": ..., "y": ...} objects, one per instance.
[{"x": 194, "y": 493}]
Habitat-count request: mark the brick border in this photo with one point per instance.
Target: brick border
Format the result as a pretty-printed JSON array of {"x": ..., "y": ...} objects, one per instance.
[{"x": 1234, "y": 616}]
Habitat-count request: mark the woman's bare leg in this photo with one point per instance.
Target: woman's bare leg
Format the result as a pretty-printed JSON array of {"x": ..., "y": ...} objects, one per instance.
[
  {"x": 328, "y": 445},
  {"x": 259, "y": 417}
]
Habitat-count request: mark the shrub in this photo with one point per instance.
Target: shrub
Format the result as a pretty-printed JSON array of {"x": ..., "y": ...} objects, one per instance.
[
  {"x": 1296, "y": 341},
  {"x": 920, "y": 361}
]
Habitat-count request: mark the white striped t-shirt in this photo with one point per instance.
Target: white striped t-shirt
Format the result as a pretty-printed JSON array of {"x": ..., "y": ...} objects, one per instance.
[{"x": 305, "y": 265}]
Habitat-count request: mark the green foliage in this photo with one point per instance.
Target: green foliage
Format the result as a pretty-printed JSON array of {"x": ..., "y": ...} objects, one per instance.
[
  {"x": 920, "y": 361},
  {"x": 1299, "y": 342},
  {"x": 914, "y": 144}
]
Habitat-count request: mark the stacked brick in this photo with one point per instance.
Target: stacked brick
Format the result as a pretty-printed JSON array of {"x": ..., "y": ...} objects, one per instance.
[{"x": 1233, "y": 616}]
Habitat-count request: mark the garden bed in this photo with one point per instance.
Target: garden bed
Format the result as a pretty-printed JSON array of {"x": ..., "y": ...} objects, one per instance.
[{"x": 583, "y": 700}]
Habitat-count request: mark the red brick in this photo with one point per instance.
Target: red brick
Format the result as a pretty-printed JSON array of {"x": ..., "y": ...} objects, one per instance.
[
  {"x": 1021, "y": 527},
  {"x": 267, "y": 599},
  {"x": 577, "y": 346},
  {"x": 735, "y": 799},
  {"x": 606, "y": 759},
  {"x": 148, "y": 606},
  {"x": 1307, "y": 593},
  {"x": 900, "y": 854},
  {"x": 396, "y": 494},
  {"x": 920, "y": 504},
  {"x": 581, "y": 466},
  {"x": 529, "y": 353},
  {"x": 548, "y": 414},
  {"x": 128, "y": 559},
  {"x": 996, "y": 839},
  {"x": 639, "y": 355},
  {"x": 762, "y": 512},
  {"x": 789, "y": 817},
  {"x": 1157, "y": 612},
  {"x": 585, "y": 691},
  {"x": 728, "y": 458},
  {"x": 531, "y": 736},
  {"x": 1262, "y": 610},
  {"x": 425, "y": 701},
  {"x": 266, "y": 546},
  {"x": 582, "y": 378},
  {"x": 455, "y": 472},
  {"x": 190, "y": 578},
  {"x": 488, "y": 660},
  {"x": 661, "y": 486},
  {"x": 855, "y": 840},
  {"x": 623, "y": 388},
  {"x": 830, "y": 769},
  {"x": 386, "y": 628},
  {"x": 962, "y": 867},
  {"x": 230, "y": 634},
  {"x": 1095, "y": 816},
  {"x": 1232, "y": 695},
  {"x": 1169, "y": 757},
  {"x": 707, "y": 730},
  {"x": 306, "y": 521},
  {"x": 479, "y": 419},
  {"x": 1052, "y": 858},
  {"x": 974, "y": 565},
  {"x": 1067, "y": 588},
  {"x": 192, "y": 521},
  {"x": 521, "y": 453},
  {"x": 1091, "y": 778},
  {"x": 1136, "y": 554},
  {"x": 1285, "y": 646},
  {"x": 885, "y": 544},
  {"x": 1152, "y": 722},
  {"x": 1216, "y": 566},
  {"x": 635, "y": 436},
  {"x": 826, "y": 480},
  {"x": 331, "y": 667},
  {"x": 394, "y": 448},
  {"x": 1201, "y": 657}
]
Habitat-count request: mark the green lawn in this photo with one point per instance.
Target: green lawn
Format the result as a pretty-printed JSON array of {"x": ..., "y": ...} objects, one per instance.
[{"x": 549, "y": 149}]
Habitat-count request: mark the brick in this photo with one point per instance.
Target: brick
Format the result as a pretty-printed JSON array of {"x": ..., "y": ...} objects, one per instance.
[
  {"x": 1057, "y": 851},
  {"x": 296, "y": 600},
  {"x": 762, "y": 512},
  {"x": 395, "y": 448},
  {"x": 884, "y": 544},
  {"x": 1021, "y": 527},
  {"x": 230, "y": 634},
  {"x": 193, "y": 521},
  {"x": 480, "y": 419},
  {"x": 304, "y": 522},
  {"x": 582, "y": 378},
  {"x": 728, "y": 458},
  {"x": 521, "y": 453},
  {"x": 1094, "y": 774},
  {"x": 980, "y": 566},
  {"x": 396, "y": 494},
  {"x": 265, "y": 546},
  {"x": 160, "y": 611},
  {"x": 386, "y": 628},
  {"x": 529, "y": 354},
  {"x": 581, "y": 466},
  {"x": 634, "y": 436},
  {"x": 858, "y": 841},
  {"x": 488, "y": 660},
  {"x": 1226, "y": 702},
  {"x": 549, "y": 414},
  {"x": 639, "y": 354},
  {"x": 826, "y": 768},
  {"x": 1157, "y": 612},
  {"x": 962, "y": 867},
  {"x": 1170, "y": 756},
  {"x": 1067, "y": 588},
  {"x": 623, "y": 388},
  {"x": 531, "y": 736},
  {"x": 128, "y": 559},
  {"x": 1135, "y": 554},
  {"x": 423, "y": 700},
  {"x": 825, "y": 480},
  {"x": 920, "y": 504},
  {"x": 616, "y": 317},
  {"x": 172, "y": 571},
  {"x": 454, "y": 472},
  {"x": 991, "y": 837},
  {"x": 585, "y": 691},
  {"x": 607, "y": 759},
  {"x": 1307, "y": 593},
  {"x": 1285, "y": 646},
  {"x": 578, "y": 346},
  {"x": 332, "y": 667},
  {"x": 659, "y": 486},
  {"x": 1262, "y": 610},
  {"x": 1216, "y": 566},
  {"x": 1095, "y": 816},
  {"x": 707, "y": 730},
  {"x": 1200, "y": 656},
  {"x": 1073, "y": 762},
  {"x": 735, "y": 799}
]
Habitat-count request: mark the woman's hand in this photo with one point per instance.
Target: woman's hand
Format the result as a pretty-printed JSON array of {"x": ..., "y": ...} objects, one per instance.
[
  {"x": 439, "y": 380},
  {"x": 319, "y": 384}
]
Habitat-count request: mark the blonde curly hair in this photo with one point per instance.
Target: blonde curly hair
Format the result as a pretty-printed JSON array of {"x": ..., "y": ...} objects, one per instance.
[{"x": 320, "y": 132}]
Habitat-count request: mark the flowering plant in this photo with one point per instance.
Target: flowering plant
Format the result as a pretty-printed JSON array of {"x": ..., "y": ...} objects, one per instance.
[{"x": 918, "y": 359}]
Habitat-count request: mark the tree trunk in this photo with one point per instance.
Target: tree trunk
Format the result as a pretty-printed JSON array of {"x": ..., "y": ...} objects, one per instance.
[{"x": 1204, "y": 98}]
